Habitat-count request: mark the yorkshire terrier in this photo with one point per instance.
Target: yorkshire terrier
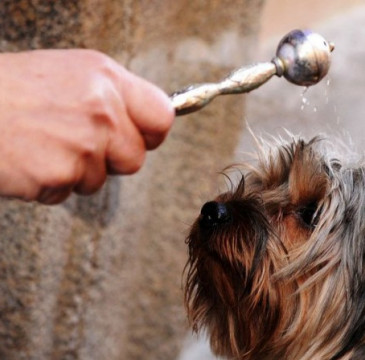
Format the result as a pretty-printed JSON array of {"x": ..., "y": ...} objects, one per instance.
[{"x": 276, "y": 266}]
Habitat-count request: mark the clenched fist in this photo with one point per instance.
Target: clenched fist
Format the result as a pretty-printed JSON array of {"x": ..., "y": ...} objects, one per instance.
[{"x": 70, "y": 117}]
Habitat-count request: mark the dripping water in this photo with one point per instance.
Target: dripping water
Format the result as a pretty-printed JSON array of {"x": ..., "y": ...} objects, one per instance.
[{"x": 304, "y": 99}]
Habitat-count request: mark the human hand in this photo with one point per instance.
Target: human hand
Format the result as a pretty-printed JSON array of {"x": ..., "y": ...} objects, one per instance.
[{"x": 70, "y": 117}]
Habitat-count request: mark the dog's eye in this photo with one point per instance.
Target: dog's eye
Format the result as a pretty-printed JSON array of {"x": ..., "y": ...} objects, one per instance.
[{"x": 308, "y": 214}]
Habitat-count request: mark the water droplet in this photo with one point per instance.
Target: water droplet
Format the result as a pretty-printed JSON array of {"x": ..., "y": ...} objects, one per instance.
[
  {"x": 314, "y": 108},
  {"x": 304, "y": 100}
]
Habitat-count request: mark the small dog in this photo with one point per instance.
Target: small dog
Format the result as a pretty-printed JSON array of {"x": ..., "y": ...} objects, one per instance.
[{"x": 276, "y": 267}]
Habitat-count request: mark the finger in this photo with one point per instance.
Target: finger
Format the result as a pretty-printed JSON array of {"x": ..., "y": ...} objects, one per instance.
[
  {"x": 93, "y": 178},
  {"x": 149, "y": 108},
  {"x": 153, "y": 141},
  {"x": 125, "y": 152},
  {"x": 52, "y": 196}
]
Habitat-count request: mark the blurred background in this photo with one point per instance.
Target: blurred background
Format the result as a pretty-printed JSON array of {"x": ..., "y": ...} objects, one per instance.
[
  {"x": 334, "y": 106},
  {"x": 101, "y": 277}
]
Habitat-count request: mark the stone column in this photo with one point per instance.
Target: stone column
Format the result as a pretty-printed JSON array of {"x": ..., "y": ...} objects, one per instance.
[{"x": 100, "y": 277}]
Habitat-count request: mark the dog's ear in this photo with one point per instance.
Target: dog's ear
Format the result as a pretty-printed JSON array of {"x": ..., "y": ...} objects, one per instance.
[{"x": 308, "y": 179}]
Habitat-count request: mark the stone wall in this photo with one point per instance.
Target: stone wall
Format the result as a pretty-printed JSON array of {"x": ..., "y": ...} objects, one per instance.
[{"x": 100, "y": 277}]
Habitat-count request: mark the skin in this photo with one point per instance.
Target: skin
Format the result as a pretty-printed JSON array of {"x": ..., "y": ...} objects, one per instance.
[{"x": 71, "y": 117}]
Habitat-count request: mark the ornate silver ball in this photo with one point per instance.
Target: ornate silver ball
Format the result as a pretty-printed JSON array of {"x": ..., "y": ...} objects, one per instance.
[{"x": 304, "y": 56}]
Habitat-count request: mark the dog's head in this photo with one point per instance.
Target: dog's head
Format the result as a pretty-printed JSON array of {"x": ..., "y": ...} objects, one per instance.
[{"x": 276, "y": 266}]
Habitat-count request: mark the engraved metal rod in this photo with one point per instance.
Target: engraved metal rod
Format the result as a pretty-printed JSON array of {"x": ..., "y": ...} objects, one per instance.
[{"x": 302, "y": 57}]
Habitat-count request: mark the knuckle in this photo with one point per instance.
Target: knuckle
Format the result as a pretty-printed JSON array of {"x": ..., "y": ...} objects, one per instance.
[
  {"x": 95, "y": 100},
  {"x": 98, "y": 118},
  {"x": 101, "y": 82},
  {"x": 97, "y": 58},
  {"x": 103, "y": 65},
  {"x": 89, "y": 144},
  {"x": 100, "y": 104}
]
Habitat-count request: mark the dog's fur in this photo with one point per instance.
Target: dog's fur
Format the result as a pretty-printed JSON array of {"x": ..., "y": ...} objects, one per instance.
[{"x": 281, "y": 274}]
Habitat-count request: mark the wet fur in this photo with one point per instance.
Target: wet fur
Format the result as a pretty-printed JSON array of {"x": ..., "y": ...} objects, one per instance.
[{"x": 266, "y": 285}]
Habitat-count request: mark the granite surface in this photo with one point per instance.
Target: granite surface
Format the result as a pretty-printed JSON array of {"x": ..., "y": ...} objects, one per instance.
[{"x": 32, "y": 24}]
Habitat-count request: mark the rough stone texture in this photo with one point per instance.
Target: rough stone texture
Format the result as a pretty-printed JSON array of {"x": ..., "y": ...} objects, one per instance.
[{"x": 100, "y": 277}]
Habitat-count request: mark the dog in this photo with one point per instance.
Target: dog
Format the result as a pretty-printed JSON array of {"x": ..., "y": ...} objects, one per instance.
[{"x": 276, "y": 266}]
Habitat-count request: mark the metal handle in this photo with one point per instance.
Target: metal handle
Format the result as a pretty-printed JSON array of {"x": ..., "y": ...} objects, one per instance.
[{"x": 302, "y": 57}]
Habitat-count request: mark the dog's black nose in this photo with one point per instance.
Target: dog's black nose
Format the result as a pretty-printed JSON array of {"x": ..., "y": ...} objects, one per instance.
[{"x": 213, "y": 213}]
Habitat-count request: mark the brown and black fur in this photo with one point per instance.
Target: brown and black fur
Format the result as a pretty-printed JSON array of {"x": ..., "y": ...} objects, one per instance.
[{"x": 276, "y": 266}]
